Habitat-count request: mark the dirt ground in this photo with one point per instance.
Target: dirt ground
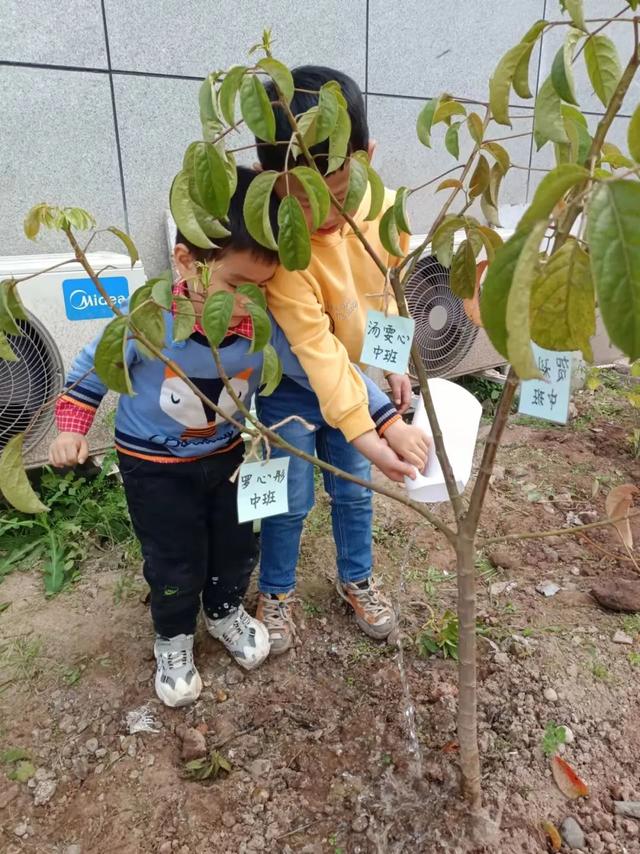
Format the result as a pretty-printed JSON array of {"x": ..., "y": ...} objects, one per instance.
[{"x": 321, "y": 761}]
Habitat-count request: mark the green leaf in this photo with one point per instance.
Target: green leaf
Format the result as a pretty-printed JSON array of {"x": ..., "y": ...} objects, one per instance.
[
  {"x": 208, "y": 178},
  {"x": 255, "y": 294},
  {"x": 389, "y": 234},
  {"x": 476, "y": 127},
  {"x": 13, "y": 754},
  {"x": 521, "y": 74},
  {"x": 357, "y": 187},
  {"x": 575, "y": 125},
  {"x": 182, "y": 210},
  {"x": 148, "y": 319},
  {"x": 216, "y": 316},
  {"x": 633, "y": 135},
  {"x": 317, "y": 193},
  {"x": 500, "y": 153},
  {"x": 561, "y": 69},
  {"x": 612, "y": 155},
  {"x": 128, "y": 242},
  {"x": 339, "y": 140},
  {"x": 400, "y": 210},
  {"x": 446, "y": 108},
  {"x": 563, "y": 302},
  {"x": 377, "y": 187},
  {"x": 294, "y": 243},
  {"x": 480, "y": 178},
  {"x": 208, "y": 101},
  {"x": 462, "y": 280},
  {"x": 10, "y": 308},
  {"x": 229, "y": 91},
  {"x": 261, "y": 327},
  {"x": 517, "y": 318},
  {"x": 550, "y": 190},
  {"x": 425, "y": 121},
  {"x": 490, "y": 238},
  {"x": 495, "y": 291},
  {"x": 256, "y": 108},
  {"x": 14, "y": 483},
  {"x": 184, "y": 319},
  {"x": 500, "y": 83},
  {"x": 603, "y": 66},
  {"x": 79, "y": 218},
  {"x": 576, "y": 11},
  {"x": 613, "y": 227},
  {"x": 140, "y": 296},
  {"x": 6, "y": 353},
  {"x": 162, "y": 290},
  {"x": 452, "y": 140},
  {"x": 256, "y": 209},
  {"x": 442, "y": 243},
  {"x": 327, "y": 116},
  {"x": 271, "y": 371},
  {"x": 280, "y": 75},
  {"x": 23, "y": 772},
  {"x": 547, "y": 122},
  {"x": 110, "y": 362}
]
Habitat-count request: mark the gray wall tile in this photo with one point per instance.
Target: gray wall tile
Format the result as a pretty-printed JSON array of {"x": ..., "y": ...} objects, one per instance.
[
  {"x": 194, "y": 38},
  {"x": 58, "y": 128},
  {"x": 56, "y": 32},
  {"x": 157, "y": 119},
  {"x": 402, "y": 160},
  {"x": 620, "y": 33},
  {"x": 424, "y": 47}
]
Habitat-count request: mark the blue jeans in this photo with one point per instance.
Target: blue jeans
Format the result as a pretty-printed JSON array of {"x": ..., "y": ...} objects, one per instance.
[{"x": 351, "y": 505}]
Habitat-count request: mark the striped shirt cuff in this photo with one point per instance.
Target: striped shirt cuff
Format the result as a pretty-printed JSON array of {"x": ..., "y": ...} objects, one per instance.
[{"x": 385, "y": 416}]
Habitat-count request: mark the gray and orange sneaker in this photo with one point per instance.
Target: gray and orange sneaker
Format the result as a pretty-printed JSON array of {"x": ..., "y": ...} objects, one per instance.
[
  {"x": 274, "y": 610},
  {"x": 373, "y": 613}
]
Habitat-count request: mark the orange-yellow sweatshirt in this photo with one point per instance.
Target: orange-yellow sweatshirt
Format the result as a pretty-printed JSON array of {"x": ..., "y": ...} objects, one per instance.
[{"x": 322, "y": 311}]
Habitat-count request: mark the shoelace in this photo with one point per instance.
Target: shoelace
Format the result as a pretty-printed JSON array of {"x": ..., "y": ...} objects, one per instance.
[
  {"x": 175, "y": 660},
  {"x": 276, "y": 612},
  {"x": 369, "y": 597},
  {"x": 235, "y": 630}
]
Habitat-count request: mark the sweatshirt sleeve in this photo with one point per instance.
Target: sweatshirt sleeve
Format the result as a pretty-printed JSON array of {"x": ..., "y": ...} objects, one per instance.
[
  {"x": 339, "y": 387},
  {"x": 382, "y": 412}
]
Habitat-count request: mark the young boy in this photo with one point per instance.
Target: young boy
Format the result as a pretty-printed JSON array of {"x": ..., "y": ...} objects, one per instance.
[
  {"x": 176, "y": 456},
  {"x": 322, "y": 312}
]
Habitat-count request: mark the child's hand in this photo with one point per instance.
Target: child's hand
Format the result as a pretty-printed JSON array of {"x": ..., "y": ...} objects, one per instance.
[
  {"x": 400, "y": 391},
  {"x": 409, "y": 442},
  {"x": 68, "y": 449},
  {"x": 380, "y": 454}
]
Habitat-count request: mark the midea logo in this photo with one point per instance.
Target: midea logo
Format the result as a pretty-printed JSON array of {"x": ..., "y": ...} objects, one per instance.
[{"x": 81, "y": 300}]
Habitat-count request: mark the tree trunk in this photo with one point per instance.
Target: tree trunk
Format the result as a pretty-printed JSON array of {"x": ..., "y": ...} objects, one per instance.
[{"x": 467, "y": 698}]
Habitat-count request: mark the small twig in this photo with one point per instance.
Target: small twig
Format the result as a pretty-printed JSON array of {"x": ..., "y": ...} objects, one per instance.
[
  {"x": 599, "y": 548},
  {"x": 577, "y": 529},
  {"x": 437, "y": 178},
  {"x": 598, "y": 30},
  {"x": 299, "y": 829}
]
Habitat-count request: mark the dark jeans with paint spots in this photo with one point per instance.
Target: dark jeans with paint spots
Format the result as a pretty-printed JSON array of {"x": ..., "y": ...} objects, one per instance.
[{"x": 194, "y": 548}]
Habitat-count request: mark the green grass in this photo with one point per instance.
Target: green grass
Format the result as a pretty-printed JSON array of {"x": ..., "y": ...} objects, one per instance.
[{"x": 85, "y": 512}]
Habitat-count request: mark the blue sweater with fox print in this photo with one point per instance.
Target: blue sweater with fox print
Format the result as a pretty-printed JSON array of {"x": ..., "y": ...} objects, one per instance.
[{"x": 164, "y": 420}]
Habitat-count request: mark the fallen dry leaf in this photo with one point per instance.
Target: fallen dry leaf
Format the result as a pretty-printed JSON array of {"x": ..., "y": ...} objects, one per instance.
[
  {"x": 555, "y": 840},
  {"x": 618, "y": 503},
  {"x": 472, "y": 306},
  {"x": 450, "y": 747},
  {"x": 567, "y": 780}
]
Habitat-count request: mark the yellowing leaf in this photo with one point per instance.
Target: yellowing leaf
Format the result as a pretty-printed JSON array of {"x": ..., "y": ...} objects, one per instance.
[
  {"x": 563, "y": 309},
  {"x": 500, "y": 83},
  {"x": 462, "y": 278},
  {"x": 14, "y": 483},
  {"x": 555, "y": 840},
  {"x": 476, "y": 127},
  {"x": 472, "y": 306},
  {"x": 449, "y": 184},
  {"x": 603, "y": 66},
  {"x": 500, "y": 153},
  {"x": 480, "y": 178},
  {"x": 517, "y": 317},
  {"x": 567, "y": 780},
  {"x": 619, "y": 502}
]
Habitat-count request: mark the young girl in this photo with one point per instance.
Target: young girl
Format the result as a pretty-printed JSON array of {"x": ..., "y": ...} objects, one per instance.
[{"x": 176, "y": 456}]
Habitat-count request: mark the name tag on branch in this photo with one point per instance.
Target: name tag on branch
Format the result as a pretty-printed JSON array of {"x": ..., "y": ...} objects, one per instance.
[
  {"x": 548, "y": 398},
  {"x": 387, "y": 342},
  {"x": 262, "y": 489}
]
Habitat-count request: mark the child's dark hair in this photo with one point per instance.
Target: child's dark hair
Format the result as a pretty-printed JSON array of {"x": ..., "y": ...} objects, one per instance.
[
  {"x": 239, "y": 240},
  {"x": 311, "y": 78}
]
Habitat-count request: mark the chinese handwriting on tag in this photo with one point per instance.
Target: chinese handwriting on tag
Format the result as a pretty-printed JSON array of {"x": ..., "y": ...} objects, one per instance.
[
  {"x": 262, "y": 489},
  {"x": 548, "y": 398},
  {"x": 387, "y": 342}
]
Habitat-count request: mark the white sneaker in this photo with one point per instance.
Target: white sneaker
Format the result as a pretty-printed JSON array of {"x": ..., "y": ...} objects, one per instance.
[
  {"x": 178, "y": 682},
  {"x": 246, "y": 639}
]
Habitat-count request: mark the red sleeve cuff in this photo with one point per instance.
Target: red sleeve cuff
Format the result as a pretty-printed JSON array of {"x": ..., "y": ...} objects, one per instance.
[{"x": 71, "y": 417}]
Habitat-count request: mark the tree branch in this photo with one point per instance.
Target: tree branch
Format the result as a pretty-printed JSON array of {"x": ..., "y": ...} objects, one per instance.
[{"x": 557, "y": 532}]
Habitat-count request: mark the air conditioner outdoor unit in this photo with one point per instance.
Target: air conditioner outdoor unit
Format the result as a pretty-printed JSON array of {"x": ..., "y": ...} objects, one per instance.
[
  {"x": 450, "y": 344},
  {"x": 65, "y": 312}
]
